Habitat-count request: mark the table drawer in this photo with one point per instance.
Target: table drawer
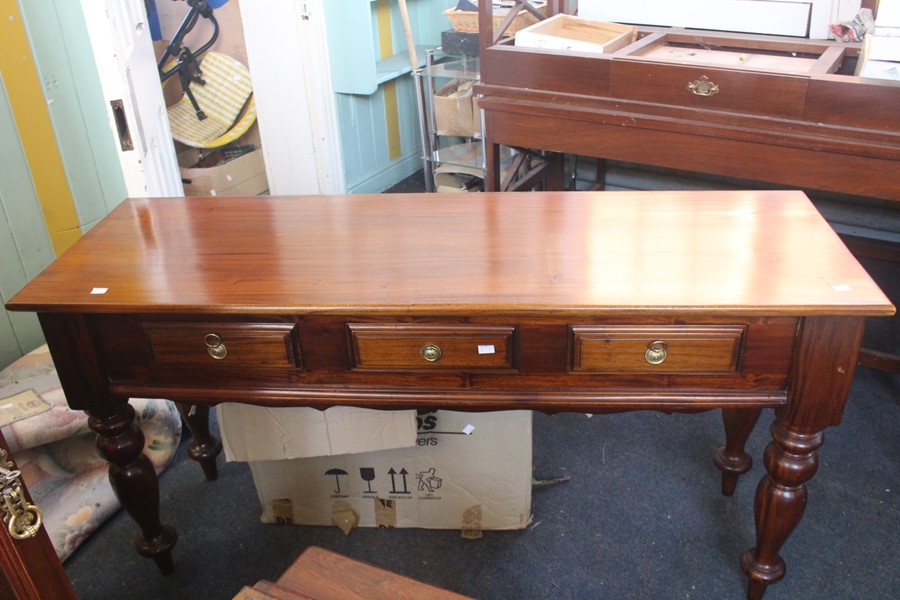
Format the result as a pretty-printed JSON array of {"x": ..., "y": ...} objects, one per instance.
[
  {"x": 736, "y": 91},
  {"x": 274, "y": 345},
  {"x": 428, "y": 347},
  {"x": 656, "y": 349}
]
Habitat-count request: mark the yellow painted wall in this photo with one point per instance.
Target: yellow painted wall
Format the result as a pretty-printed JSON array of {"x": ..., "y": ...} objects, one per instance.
[{"x": 26, "y": 98}]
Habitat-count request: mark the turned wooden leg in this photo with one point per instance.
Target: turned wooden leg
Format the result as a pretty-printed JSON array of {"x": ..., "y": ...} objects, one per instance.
[
  {"x": 732, "y": 459},
  {"x": 204, "y": 447},
  {"x": 791, "y": 461},
  {"x": 133, "y": 479}
]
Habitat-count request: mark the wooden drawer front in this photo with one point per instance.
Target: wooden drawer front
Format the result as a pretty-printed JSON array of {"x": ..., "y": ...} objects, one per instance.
[
  {"x": 651, "y": 349},
  {"x": 429, "y": 347},
  {"x": 224, "y": 344},
  {"x": 738, "y": 91}
]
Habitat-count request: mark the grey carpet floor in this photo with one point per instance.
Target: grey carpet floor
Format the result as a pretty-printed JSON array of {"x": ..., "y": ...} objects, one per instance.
[{"x": 640, "y": 516}]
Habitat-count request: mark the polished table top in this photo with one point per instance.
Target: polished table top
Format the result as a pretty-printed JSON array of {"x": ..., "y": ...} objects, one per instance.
[{"x": 755, "y": 252}]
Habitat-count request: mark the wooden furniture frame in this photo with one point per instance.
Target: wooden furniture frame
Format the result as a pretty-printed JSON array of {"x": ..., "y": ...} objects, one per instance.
[
  {"x": 551, "y": 301},
  {"x": 824, "y": 129}
]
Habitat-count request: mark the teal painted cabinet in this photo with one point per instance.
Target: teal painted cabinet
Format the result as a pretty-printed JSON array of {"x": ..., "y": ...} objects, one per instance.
[{"x": 372, "y": 118}]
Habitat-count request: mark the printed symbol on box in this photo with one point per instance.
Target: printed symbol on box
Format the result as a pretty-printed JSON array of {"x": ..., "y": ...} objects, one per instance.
[
  {"x": 429, "y": 481},
  {"x": 368, "y": 475},
  {"x": 403, "y": 473},
  {"x": 337, "y": 478}
]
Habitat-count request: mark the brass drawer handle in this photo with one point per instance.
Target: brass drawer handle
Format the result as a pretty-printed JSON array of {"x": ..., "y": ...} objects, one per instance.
[
  {"x": 703, "y": 87},
  {"x": 656, "y": 353},
  {"x": 215, "y": 347},
  {"x": 431, "y": 352}
]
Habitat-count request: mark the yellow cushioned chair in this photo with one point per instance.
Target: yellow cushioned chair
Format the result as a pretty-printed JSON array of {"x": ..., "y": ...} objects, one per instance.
[{"x": 226, "y": 100}]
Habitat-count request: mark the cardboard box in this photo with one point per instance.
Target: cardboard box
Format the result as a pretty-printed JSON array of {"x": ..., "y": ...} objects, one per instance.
[
  {"x": 254, "y": 433},
  {"x": 443, "y": 482},
  {"x": 454, "y": 111},
  {"x": 565, "y": 32},
  {"x": 242, "y": 176}
]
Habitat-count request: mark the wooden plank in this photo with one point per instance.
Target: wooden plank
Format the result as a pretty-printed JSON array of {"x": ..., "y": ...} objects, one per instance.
[
  {"x": 325, "y": 575},
  {"x": 829, "y": 62},
  {"x": 883, "y": 361}
]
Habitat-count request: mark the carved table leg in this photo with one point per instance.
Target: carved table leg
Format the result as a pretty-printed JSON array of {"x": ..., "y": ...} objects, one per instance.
[
  {"x": 133, "y": 479},
  {"x": 204, "y": 447},
  {"x": 731, "y": 459},
  {"x": 791, "y": 461}
]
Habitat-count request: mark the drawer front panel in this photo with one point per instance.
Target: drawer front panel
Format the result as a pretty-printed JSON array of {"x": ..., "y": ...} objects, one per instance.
[
  {"x": 651, "y": 349},
  {"x": 267, "y": 345},
  {"x": 737, "y": 91},
  {"x": 414, "y": 347}
]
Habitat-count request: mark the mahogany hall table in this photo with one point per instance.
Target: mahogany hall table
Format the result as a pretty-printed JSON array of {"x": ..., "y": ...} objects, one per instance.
[{"x": 557, "y": 301}]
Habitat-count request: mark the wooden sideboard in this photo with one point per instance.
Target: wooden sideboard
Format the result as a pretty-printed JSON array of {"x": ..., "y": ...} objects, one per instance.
[
  {"x": 811, "y": 125},
  {"x": 556, "y": 301}
]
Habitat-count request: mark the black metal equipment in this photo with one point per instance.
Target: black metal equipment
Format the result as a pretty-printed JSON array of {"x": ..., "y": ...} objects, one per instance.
[{"x": 186, "y": 65}]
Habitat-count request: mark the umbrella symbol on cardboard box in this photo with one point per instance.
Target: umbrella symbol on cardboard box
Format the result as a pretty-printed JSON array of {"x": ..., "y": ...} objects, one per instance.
[{"x": 337, "y": 479}]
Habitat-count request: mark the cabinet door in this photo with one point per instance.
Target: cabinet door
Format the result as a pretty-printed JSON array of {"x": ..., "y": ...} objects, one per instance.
[{"x": 31, "y": 569}]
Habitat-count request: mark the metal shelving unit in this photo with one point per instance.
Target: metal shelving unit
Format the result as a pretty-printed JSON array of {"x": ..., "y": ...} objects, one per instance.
[{"x": 460, "y": 154}]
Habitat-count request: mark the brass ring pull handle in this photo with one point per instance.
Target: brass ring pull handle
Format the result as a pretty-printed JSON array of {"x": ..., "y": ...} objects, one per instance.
[
  {"x": 703, "y": 87},
  {"x": 431, "y": 352},
  {"x": 215, "y": 347},
  {"x": 656, "y": 353},
  {"x": 26, "y": 524}
]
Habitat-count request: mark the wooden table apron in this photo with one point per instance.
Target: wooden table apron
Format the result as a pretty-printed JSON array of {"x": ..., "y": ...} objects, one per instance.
[{"x": 557, "y": 301}]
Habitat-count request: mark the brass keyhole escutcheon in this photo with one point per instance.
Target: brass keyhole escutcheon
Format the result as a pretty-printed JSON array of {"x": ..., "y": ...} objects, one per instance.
[
  {"x": 656, "y": 353},
  {"x": 215, "y": 347},
  {"x": 703, "y": 87},
  {"x": 431, "y": 352}
]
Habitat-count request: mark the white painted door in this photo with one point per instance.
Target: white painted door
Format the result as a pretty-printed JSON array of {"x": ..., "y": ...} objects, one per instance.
[
  {"x": 123, "y": 50},
  {"x": 287, "y": 53}
]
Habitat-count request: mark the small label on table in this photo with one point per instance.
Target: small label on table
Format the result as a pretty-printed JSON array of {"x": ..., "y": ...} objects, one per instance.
[
  {"x": 96, "y": 291},
  {"x": 486, "y": 349}
]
